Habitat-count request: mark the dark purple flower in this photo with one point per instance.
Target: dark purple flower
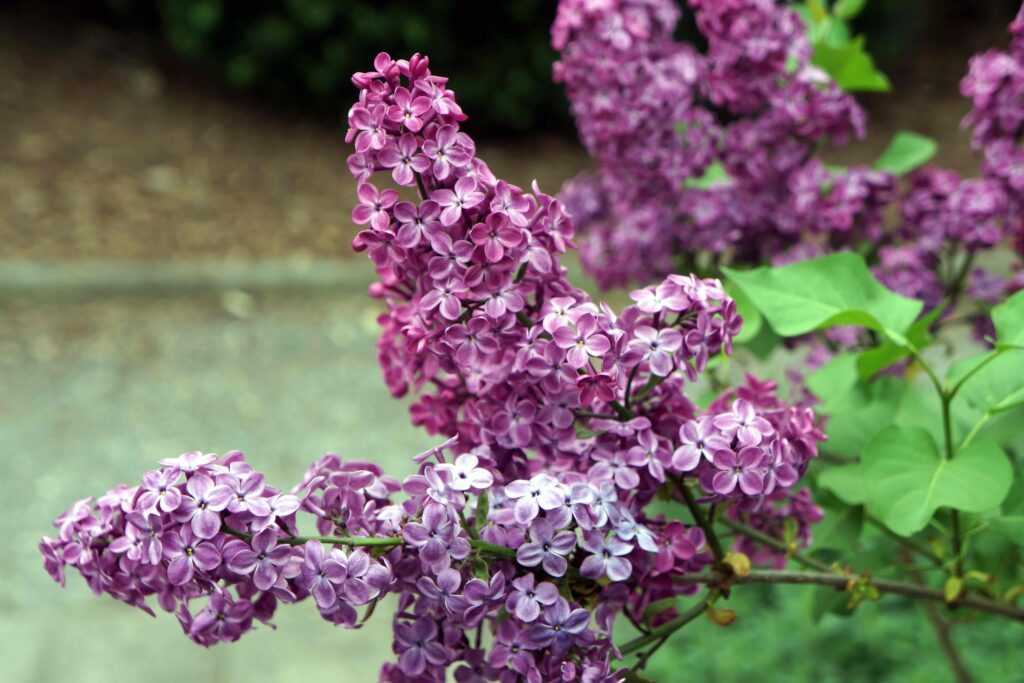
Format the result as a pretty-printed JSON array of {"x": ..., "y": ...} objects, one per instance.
[
  {"x": 559, "y": 627},
  {"x": 444, "y": 590},
  {"x": 738, "y": 469},
  {"x": 418, "y": 646}
]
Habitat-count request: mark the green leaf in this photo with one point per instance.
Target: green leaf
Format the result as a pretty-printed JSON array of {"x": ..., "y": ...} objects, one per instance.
[
  {"x": 483, "y": 508},
  {"x": 833, "y": 381},
  {"x": 848, "y": 9},
  {"x": 752, "y": 320},
  {"x": 714, "y": 175},
  {"x": 837, "y": 289},
  {"x": 850, "y": 66},
  {"x": 1009, "y": 321},
  {"x": 1010, "y": 524},
  {"x": 862, "y": 413},
  {"x": 846, "y": 482},
  {"x": 840, "y": 528},
  {"x": 906, "y": 480},
  {"x": 906, "y": 152},
  {"x": 995, "y": 387},
  {"x": 873, "y": 360},
  {"x": 764, "y": 343}
]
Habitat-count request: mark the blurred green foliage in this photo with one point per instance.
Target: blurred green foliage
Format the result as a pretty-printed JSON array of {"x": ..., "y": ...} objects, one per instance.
[{"x": 497, "y": 53}]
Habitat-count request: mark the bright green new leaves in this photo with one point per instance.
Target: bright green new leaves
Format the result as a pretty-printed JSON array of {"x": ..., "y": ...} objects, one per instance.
[
  {"x": 1009, "y": 320},
  {"x": 994, "y": 380},
  {"x": 846, "y": 482},
  {"x": 714, "y": 175},
  {"x": 837, "y": 289},
  {"x": 906, "y": 480},
  {"x": 752, "y": 320},
  {"x": 848, "y": 9},
  {"x": 871, "y": 361},
  {"x": 850, "y": 65},
  {"x": 906, "y": 152}
]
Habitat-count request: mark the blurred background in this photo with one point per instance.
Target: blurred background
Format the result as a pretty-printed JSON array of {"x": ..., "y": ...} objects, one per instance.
[{"x": 175, "y": 274}]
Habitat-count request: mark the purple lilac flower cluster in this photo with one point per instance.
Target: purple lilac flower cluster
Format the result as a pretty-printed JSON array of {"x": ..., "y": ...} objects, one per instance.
[
  {"x": 520, "y": 539},
  {"x": 995, "y": 86},
  {"x": 655, "y": 113},
  {"x": 215, "y": 544},
  {"x": 508, "y": 358}
]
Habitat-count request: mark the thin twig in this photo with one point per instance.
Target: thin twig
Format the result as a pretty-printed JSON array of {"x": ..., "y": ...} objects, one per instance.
[{"x": 844, "y": 581}]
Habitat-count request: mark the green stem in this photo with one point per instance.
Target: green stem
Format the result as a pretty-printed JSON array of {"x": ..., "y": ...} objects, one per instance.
[
  {"x": 701, "y": 520},
  {"x": 666, "y": 629},
  {"x": 374, "y": 542},
  {"x": 716, "y": 578},
  {"x": 777, "y": 544},
  {"x": 905, "y": 542},
  {"x": 988, "y": 359},
  {"x": 977, "y": 428}
]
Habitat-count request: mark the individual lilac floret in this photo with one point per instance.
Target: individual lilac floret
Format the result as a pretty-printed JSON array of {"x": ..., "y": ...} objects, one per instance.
[
  {"x": 608, "y": 558},
  {"x": 528, "y": 597},
  {"x": 547, "y": 548}
]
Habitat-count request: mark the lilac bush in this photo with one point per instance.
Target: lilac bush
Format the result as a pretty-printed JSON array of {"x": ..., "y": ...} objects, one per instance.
[{"x": 581, "y": 490}]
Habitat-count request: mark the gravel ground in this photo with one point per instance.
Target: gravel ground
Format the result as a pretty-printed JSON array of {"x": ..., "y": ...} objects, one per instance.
[{"x": 111, "y": 153}]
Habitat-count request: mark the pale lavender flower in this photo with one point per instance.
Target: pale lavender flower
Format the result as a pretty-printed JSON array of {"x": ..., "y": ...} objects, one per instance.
[
  {"x": 528, "y": 597},
  {"x": 547, "y": 548},
  {"x": 607, "y": 558},
  {"x": 264, "y": 559},
  {"x": 202, "y": 506},
  {"x": 187, "y": 553}
]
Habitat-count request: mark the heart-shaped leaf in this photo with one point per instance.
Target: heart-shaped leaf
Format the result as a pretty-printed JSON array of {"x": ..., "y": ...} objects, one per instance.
[
  {"x": 906, "y": 152},
  {"x": 846, "y": 482},
  {"x": 906, "y": 480},
  {"x": 996, "y": 380},
  {"x": 1009, "y": 321},
  {"x": 837, "y": 289}
]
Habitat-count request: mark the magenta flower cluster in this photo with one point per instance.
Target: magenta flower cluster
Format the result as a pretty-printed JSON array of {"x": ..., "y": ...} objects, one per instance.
[
  {"x": 215, "y": 544},
  {"x": 519, "y": 540},
  {"x": 656, "y": 115}
]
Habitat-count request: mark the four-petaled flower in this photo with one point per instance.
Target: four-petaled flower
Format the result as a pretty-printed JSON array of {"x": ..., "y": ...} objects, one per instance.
[
  {"x": 528, "y": 597},
  {"x": 582, "y": 341},
  {"x": 264, "y": 559},
  {"x": 187, "y": 553},
  {"x": 547, "y": 548},
  {"x": 203, "y": 504},
  {"x": 738, "y": 469}
]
